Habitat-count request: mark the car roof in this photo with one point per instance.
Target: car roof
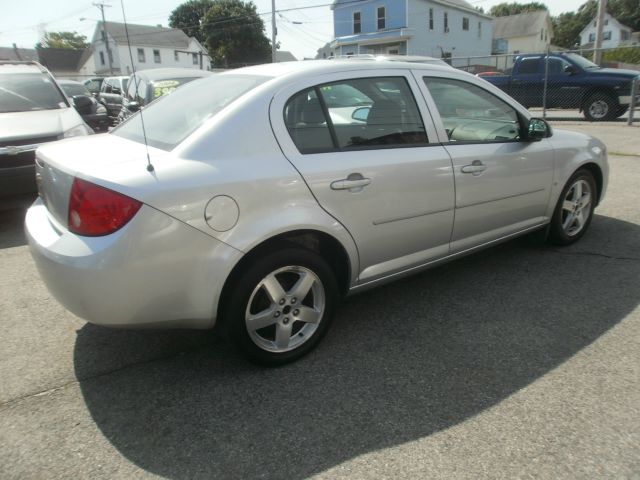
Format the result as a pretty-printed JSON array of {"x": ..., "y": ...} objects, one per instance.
[
  {"x": 167, "y": 73},
  {"x": 317, "y": 67},
  {"x": 21, "y": 67}
]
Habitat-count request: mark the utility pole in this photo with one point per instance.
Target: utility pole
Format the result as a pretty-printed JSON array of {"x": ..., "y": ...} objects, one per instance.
[
  {"x": 274, "y": 31},
  {"x": 597, "y": 52},
  {"x": 105, "y": 38}
]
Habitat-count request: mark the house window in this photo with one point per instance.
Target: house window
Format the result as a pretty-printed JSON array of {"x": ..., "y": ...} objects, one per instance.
[
  {"x": 156, "y": 56},
  {"x": 465, "y": 23},
  {"x": 541, "y": 33},
  {"x": 175, "y": 55},
  {"x": 101, "y": 58},
  {"x": 382, "y": 18},
  {"x": 110, "y": 55},
  {"x": 479, "y": 29},
  {"x": 141, "y": 55},
  {"x": 357, "y": 22},
  {"x": 607, "y": 35},
  {"x": 606, "y": 22},
  {"x": 446, "y": 22},
  {"x": 592, "y": 37},
  {"x": 624, "y": 35},
  {"x": 431, "y": 19},
  {"x": 194, "y": 58}
]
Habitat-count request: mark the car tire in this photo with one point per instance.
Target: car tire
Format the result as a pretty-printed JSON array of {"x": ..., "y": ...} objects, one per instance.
[
  {"x": 264, "y": 315},
  {"x": 600, "y": 107},
  {"x": 574, "y": 210}
]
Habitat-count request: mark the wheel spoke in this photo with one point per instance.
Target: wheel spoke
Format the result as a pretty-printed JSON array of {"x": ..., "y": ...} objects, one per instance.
[
  {"x": 568, "y": 205},
  {"x": 586, "y": 200},
  {"x": 283, "y": 335},
  {"x": 302, "y": 286},
  {"x": 308, "y": 315},
  {"x": 577, "y": 191},
  {"x": 579, "y": 221},
  {"x": 273, "y": 288},
  {"x": 261, "y": 319},
  {"x": 568, "y": 221}
]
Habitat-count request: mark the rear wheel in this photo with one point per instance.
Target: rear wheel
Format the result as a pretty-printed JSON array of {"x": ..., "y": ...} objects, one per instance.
[
  {"x": 281, "y": 306},
  {"x": 600, "y": 106},
  {"x": 574, "y": 210}
]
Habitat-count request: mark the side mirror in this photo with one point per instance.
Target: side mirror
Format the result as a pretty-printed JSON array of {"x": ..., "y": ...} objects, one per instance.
[
  {"x": 361, "y": 114},
  {"x": 570, "y": 69},
  {"x": 538, "y": 129},
  {"x": 82, "y": 104},
  {"x": 133, "y": 106}
]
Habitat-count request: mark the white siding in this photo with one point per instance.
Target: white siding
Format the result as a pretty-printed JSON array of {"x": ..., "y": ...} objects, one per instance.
[{"x": 612, "y": 26}]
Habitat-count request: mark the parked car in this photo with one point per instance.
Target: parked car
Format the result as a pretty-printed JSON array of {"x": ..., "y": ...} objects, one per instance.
[
  {"x": 147, "y": 85},
  {"x": 244, "y": 202},
  {"x": 573, "y": 82},
  {"x": 92, "y": 112},
  {"x": 94, "y": 84},
  {"x": 395, "y": 58},
  {"x": 33, "y": 111},
  {"x": 110, "y": 95}
]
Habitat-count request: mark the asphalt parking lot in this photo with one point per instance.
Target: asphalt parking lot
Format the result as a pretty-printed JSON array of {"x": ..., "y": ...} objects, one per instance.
[{"x": 522, "y": 361}]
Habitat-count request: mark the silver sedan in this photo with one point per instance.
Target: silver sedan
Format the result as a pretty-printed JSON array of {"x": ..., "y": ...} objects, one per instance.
[{"x": 254, "y": 199}]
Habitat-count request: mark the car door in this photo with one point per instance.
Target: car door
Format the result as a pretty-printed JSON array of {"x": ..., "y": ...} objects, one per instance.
[
  {"x": 527, "y": 82},
  {"x": 502, "y": 182},
  {"x": 369, "y": 153}
]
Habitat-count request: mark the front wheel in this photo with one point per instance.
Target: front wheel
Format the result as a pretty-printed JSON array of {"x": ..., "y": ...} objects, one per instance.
[
  {"x": 599, "y": 107},
  {"x": 574, "y": 210},
  {"x": 281, "y": 306}
]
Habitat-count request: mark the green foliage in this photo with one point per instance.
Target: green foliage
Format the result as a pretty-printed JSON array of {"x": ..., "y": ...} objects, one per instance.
[
  {"x": 505, "y": 9},
  {"x": 188, "y": 17},
  {"x": 626, "y": 55},
  {"x": 70, "y": 40},
  {"x": 234, "y": 34}
]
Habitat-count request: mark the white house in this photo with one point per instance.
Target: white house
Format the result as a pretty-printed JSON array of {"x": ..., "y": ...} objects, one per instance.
[
  {"x": 437, "y": 28},
  {"x": 151, "y": 47},
  {"x": 614, "y": 33},
  {"x": 529, "y": 32}
]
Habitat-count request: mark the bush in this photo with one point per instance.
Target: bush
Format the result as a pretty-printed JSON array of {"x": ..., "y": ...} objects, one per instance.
[{"x": 626, "y": 55}]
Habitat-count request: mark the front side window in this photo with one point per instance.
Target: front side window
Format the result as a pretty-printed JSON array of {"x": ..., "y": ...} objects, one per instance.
[
  {"x": 156, "y": 56},
  {"x": 357, "y": 22},
  {"x": 355, "y": 114},
  {"x": 382, "y": 18},
  {"x": 529, "y": 66},
  {"x": 23, "y": 92},
  {"x": 471, "y": 114},
  {"x": 557, "y": 65},
  {"x": 141, "y": 55}
]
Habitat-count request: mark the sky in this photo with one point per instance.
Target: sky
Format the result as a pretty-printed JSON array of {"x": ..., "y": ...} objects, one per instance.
[{"x": 23, "y": 21}]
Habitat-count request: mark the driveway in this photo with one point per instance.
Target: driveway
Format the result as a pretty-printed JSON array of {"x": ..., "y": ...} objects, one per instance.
[{"x": 522, "y": 361}]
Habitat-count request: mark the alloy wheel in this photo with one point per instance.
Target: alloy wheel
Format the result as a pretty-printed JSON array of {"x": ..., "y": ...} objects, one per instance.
[{"x": 576, "y": 208}]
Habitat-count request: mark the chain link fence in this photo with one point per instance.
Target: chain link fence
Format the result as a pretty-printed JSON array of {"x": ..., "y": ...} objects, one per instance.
[{"x": 563, "y": 85}]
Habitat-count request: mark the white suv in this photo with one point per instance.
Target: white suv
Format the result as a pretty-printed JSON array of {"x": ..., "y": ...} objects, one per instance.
[{"x": 33, "y": 111}]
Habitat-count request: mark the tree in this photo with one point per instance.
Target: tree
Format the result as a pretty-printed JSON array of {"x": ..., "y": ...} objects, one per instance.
[
  {"x": 505, "y": 9},
  {"x": 71, "y": 40},
  {"x": 234, "y": 34},
  {"x": 188, "y": 17}
]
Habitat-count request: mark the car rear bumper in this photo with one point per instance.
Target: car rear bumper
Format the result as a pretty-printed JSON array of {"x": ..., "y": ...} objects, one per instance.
[{"x": 154, "y": 272}]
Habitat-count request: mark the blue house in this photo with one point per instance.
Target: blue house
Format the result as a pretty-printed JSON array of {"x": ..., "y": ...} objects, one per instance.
[{"x": 436, "y": 28}]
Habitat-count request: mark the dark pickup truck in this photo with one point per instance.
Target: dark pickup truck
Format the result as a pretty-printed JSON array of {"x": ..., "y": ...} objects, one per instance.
[{"x": 573, "y": 82}]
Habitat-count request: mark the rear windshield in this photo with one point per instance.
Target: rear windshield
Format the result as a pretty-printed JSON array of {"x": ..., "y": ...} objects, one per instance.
[
  {"x": 174, "y": 117},
  {"x": 22, "y": 92},
  {"x": 73, "y": 89}
]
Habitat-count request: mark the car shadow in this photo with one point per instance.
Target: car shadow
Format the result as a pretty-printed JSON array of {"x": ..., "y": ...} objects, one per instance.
[
  {"x": 12, "y": 212},
  {"x": 400, "y": 363}
]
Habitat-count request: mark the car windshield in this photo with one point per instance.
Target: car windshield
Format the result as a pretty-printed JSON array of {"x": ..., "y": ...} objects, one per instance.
[
  {"x": 581, "y": 61},
  {"x": 22, "y": 92},
  {"x": 72, "y": 89},
  {"x": 170, "y": 120}
]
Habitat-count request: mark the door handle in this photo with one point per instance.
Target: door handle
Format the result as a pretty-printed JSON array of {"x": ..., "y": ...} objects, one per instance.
[
  {"x": 355, "y": 182},
  {"x": 476, "y": 168}
]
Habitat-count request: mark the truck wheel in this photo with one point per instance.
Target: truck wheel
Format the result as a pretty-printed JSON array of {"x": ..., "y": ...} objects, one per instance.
[
  {"x": 621, "y": 111},
  {"x": 599, "y": 107}
]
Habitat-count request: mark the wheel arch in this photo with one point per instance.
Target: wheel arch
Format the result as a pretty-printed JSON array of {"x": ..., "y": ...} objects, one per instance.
[
  {"x": 326, "y": 245},
  {"x": 596, "y": 171},
  {"x": 597, "y": 89}
]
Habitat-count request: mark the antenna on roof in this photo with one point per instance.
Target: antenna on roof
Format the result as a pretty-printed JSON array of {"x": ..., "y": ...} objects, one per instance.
[{"x": 137, "y": 81}]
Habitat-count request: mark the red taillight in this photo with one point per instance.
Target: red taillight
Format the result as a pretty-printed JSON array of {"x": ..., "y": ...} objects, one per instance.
[{"x": 96, "y": 211}]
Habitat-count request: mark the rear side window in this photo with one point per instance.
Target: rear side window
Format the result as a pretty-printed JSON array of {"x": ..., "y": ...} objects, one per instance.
[
  {"x": 529, "y": 66},
  {"x": 355, "y": 114},
  {"x": 173, "y": 118}
]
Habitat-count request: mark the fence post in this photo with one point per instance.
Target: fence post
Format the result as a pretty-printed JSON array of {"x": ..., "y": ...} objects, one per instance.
[
  {"x": 546, "y": 81},
  {"x": 632, "y": 103}
]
